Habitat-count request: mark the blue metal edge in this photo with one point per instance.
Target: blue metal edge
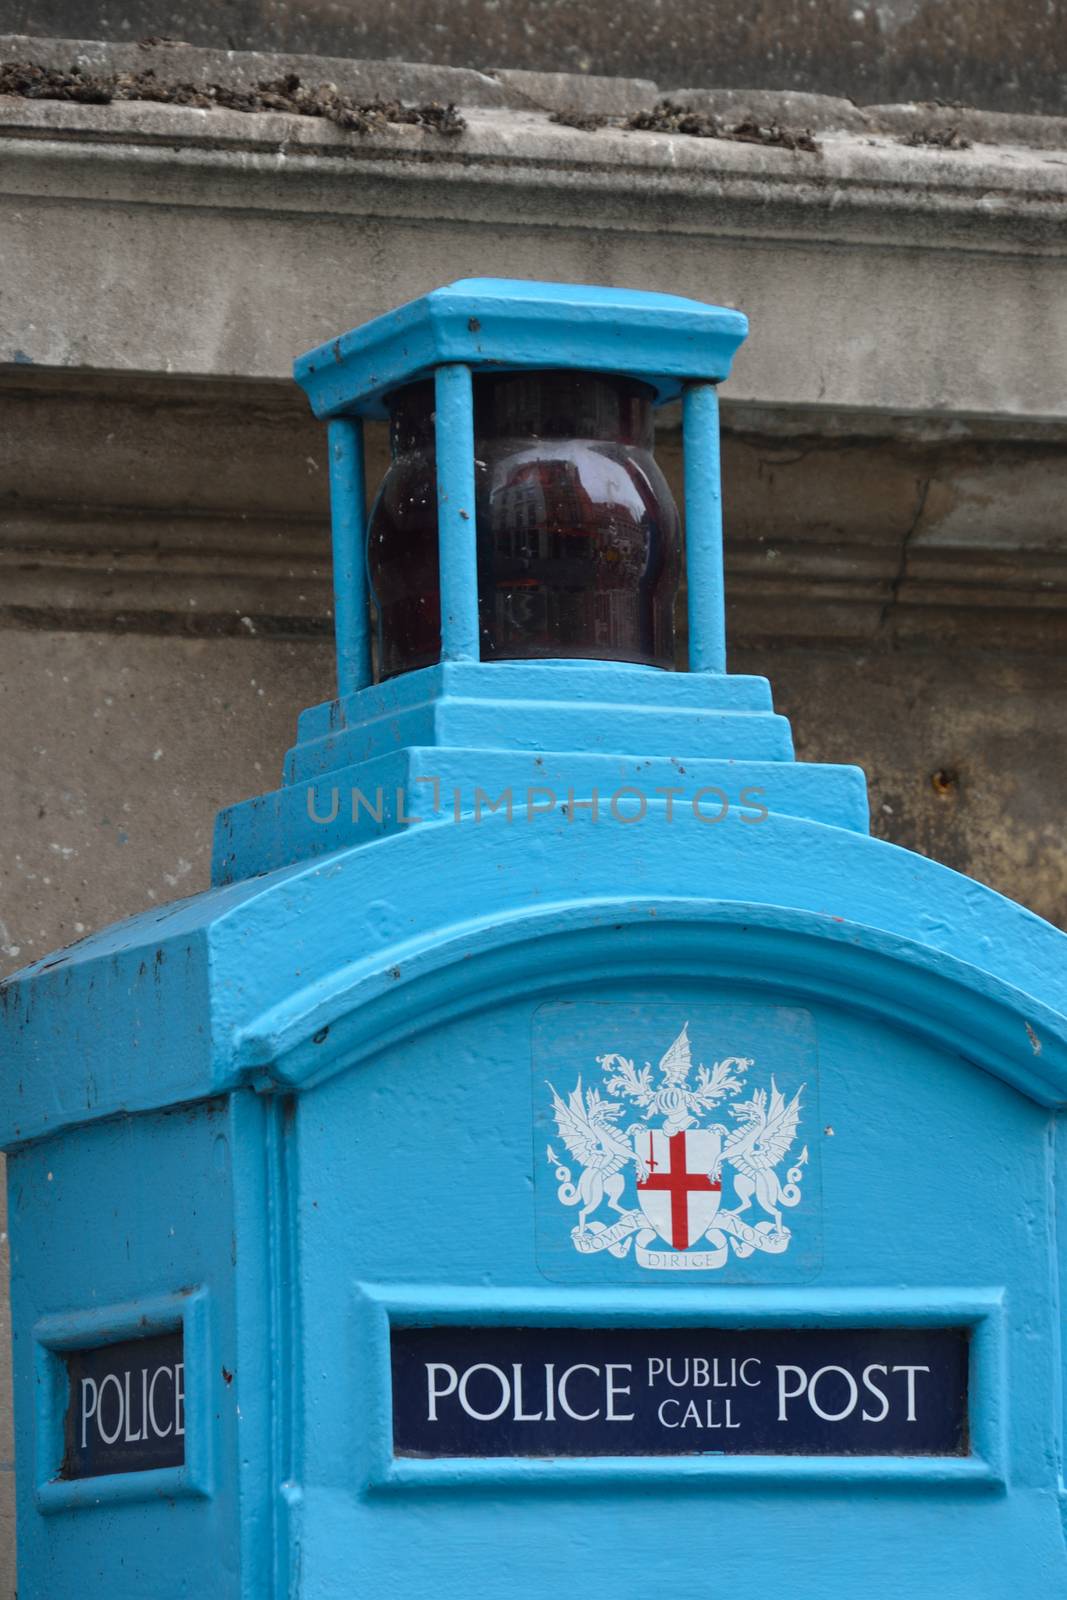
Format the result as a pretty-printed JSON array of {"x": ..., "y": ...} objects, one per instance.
[
  {"x": 377, "y": 1307},
  {"x": 513, "y": 324},
  {"x": 101, "y": 1325}
]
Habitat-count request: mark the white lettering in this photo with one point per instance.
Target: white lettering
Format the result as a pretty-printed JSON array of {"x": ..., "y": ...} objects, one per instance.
[
  {"x": 662, "y": 1408},
  {"x": 109, "y": 1438},
  {"x": 160, "y": 1433},
  {"x": 578, "y": 1416},
  {"x": 179, "y": 1397},
  {"x": 505, "y": 1392},
  {"x": 833, "y": 1416},
  {"x": 611, "y": 1415},
  {"x": 550, "y": 1391},
  {"x": 785, "y": 1394},
  {"x": 433, "y": 1393},
  {"x": 879, "y": 1394},
  {"x": 519, "y": 1414},
  {"x": 88, "y": 1383},
  {"x": 911, "y": 1371},
  {"x": 128, "y": 1437}
]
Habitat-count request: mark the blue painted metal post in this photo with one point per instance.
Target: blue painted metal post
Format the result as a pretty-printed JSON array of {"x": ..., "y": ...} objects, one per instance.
[
  {"x": 349, "y": 520},
  {"x": 457, "y": 534},
  {"x": 703, "y": 529}
]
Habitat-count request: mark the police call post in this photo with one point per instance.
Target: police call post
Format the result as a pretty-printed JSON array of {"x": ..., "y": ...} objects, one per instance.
[{"x": 682, "y": 1393}]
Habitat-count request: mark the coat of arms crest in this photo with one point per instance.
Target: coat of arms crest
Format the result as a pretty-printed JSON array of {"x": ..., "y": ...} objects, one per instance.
[{"x": 677, "y": 1159}]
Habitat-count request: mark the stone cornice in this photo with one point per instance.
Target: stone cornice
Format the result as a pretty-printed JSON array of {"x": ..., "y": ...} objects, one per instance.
[
  {"x": 991, "y": 188},
  {"x": 912, "y": 279}
]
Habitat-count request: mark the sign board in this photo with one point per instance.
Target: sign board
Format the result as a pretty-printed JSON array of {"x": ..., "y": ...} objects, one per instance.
[
  {"x": 125, "y": 1407},
  {"x": 507, "y": 1391}
]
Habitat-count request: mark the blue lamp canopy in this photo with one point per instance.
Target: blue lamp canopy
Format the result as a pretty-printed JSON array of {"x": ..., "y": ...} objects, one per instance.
[{"x": 513, "y": 325}]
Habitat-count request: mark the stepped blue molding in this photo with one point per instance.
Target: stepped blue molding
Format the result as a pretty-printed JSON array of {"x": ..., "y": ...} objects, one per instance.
[{"x": 399, "y": 754}]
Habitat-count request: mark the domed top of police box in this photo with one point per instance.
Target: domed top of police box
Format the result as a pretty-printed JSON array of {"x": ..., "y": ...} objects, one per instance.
[{"x": 512, "y": 324}]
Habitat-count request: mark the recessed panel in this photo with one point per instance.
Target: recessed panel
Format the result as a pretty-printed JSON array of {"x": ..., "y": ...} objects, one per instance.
[
  {"x": 125, "y": 1407},
  {"x": 649, "y": 1391}
]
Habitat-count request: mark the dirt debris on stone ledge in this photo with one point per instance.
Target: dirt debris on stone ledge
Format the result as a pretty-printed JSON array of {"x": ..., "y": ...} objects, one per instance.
[
  {"x": 773, "y": 133},
  {"x": 584, "y": 121},
  {"x": 667, "y": 116},
  {"x": 32, "y": 82},
  {"x": 938, "y": 138}
]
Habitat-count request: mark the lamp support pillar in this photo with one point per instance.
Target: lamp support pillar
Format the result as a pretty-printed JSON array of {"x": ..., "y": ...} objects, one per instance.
[{"x": 703, "y": 529}]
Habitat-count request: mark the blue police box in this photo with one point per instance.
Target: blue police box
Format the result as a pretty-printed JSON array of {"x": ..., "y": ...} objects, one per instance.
[{"x": 563, "y": 1152}]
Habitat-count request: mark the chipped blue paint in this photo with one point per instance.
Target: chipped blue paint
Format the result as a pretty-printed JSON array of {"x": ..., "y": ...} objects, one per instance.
[{"x": 297, "y": 1108}]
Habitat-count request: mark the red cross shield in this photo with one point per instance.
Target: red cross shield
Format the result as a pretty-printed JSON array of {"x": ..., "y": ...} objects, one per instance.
[{"x": 681, "y": 1194}]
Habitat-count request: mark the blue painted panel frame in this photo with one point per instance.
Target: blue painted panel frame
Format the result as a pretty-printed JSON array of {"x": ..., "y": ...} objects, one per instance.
[
  {"x": 191, "y": 1313},
  {"x": 378, "y": 1307}
]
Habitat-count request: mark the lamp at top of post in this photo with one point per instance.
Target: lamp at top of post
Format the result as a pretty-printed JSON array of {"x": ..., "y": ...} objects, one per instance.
[{"x": 524, "y": 515}]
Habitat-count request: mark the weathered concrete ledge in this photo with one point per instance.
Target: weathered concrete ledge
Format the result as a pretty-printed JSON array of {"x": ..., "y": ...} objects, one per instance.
[
  {"x": 517, "y": 88},
  {"x": 160, "y": 239}
]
